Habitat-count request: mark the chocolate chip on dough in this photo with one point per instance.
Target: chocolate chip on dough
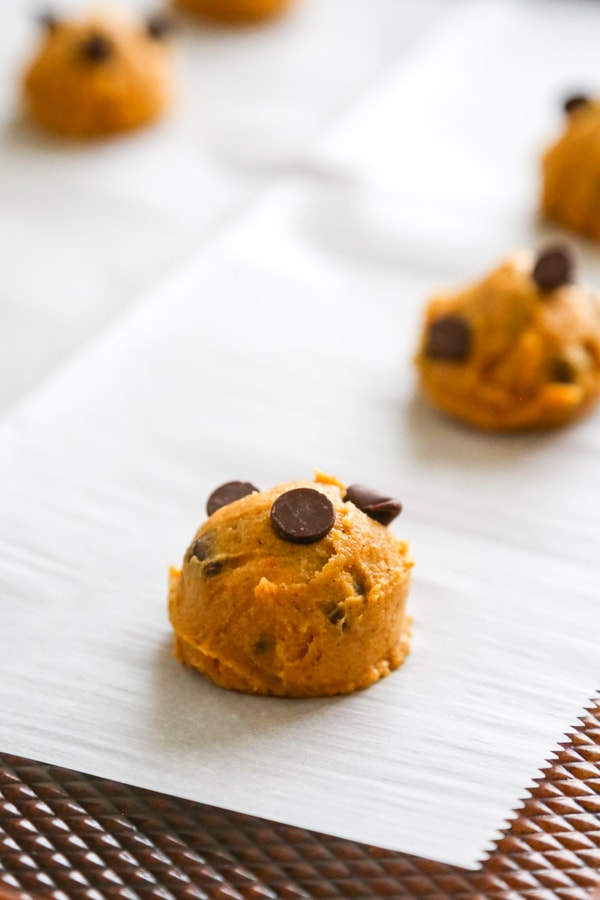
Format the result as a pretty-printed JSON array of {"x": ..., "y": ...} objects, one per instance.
[
  {"x": 302, "y": 516},
  {"x": 202, "y": 548},
  {"x": 554, "y": 267},
  {"x": 48, "y": 20},
  {"x": 159, "y": 26},
  {"x": 563, "y": 371},
  {"x": 229, "y": 493},
  {"x": 448, "y": 339},
  {"x": 377, "y": 506},
  {"x": 262, "y": 645},
  {"x": 575, "y": 101},
  {"x": 335, "y": 613},
  {"x": 96, "y": 48}
]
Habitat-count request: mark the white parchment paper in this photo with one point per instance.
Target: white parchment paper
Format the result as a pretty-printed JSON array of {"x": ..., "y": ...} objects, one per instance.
[{"x": 288, "y": 347}]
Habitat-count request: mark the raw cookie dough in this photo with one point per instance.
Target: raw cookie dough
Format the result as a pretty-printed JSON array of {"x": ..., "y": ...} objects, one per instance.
[
  {"x": 99, "y": 75},
  {"x": 233, "y": 12},
  {"x": 571, "y": 170},
  {"x": 294, "y": 591},
  {"x": 520, "y": 349}
]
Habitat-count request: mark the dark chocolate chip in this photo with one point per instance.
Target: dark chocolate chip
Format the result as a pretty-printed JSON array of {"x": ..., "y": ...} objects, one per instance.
[
  {"x": 575, "y": 101},
  {"x": 302, "y": 516},
  {"x": 554, "y": 267},
  {"x": 96, "y": 48},
  {"x": 334, "y": 612},
  {"x": 213, "y": 568},
  {"x": 159, "y": 26},
  {"x": 48, "y": 20},
  {"x": 360, "y": 586},
  {"x": 562, "y": 371},
  {"x": 229, "y": 493},
  {"x": 377, "y": 506},
  {"x": 202, "y": 547},
  {"x": 262, "y": 645},
  {"x": 449, "y": 339}
]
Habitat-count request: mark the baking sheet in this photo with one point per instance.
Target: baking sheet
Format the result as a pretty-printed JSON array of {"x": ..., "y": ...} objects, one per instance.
[{"x": 287, "y": 347}]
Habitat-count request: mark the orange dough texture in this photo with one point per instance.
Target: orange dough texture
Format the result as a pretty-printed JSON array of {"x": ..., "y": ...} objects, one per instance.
[
  {"x": 233, "y": 12},
  {"x": 72, "y": 96},
  {"x": 534, "y": 360},
  {"x": 571, "y": 173},
  {"x": 265, "y": 616}
]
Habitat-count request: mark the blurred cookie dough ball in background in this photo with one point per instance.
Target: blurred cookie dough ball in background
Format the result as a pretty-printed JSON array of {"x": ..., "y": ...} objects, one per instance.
[
  {"x": 99, "y": 74},
  {"x": 519, "y": 349},
  {"x": 233, "y": 12},
  {"x": 571, "y": 169}
]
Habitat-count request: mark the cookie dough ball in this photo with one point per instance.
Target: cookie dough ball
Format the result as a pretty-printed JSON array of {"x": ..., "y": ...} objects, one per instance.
[
  {"x": 99, "y": 75},
  {"x": 299, "y": 591},
  {"x": 233, "y": 12},
  {"x": 518, "y": 350},
  {"x": 571, "y": 170}
]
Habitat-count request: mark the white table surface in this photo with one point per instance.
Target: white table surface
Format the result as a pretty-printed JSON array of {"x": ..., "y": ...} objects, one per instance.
[{"x": 85, "y": 230}]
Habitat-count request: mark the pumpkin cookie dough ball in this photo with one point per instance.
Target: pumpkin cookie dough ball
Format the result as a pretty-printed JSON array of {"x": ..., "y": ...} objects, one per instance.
[
  {"x": 520, "y": 349},
  {"x": 299, "y": 591},
  {"x": 571, "y": 170},
  {"x": 99, "y": 75},
  {"x": 233, "y": 12}
]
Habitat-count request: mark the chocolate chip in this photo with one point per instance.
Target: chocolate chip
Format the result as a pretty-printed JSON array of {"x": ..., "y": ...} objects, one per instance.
[
  {"x": 202, "y": 547},
  {"x": 377, "y": 506},
  {"x": 575, "y": 101},
  {"x": 448, "y": 338},
  {"x": 554, "y": 267},
  {"x": 562, "y": 371},
  {"x": 262, "y": 645},
  {"x": 96, "y": 48},
  {"x": 159, "y": 26},
  {"x": 302, "y": 516},
  {"x": 48, "y": 20},
  {"x": 360, "y": 586},
  {"x": 213, "y": 568},
  {"x": 335, "y": 612},
  {"x": 229, "y": 493}
]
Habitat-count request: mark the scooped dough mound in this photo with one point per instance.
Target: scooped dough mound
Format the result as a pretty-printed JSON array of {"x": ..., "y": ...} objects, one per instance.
[
  {"x": 233, "y": 12},
  {"x": 571, "y": 170},
  {"x": 518, "y": 350},
  {"x": 99, "y": 75},
  {"x": 267, "y": 603}
]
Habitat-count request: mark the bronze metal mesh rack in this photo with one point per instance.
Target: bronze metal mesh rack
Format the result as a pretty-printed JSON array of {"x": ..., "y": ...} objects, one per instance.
[{"x": 68, "y": 836}]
